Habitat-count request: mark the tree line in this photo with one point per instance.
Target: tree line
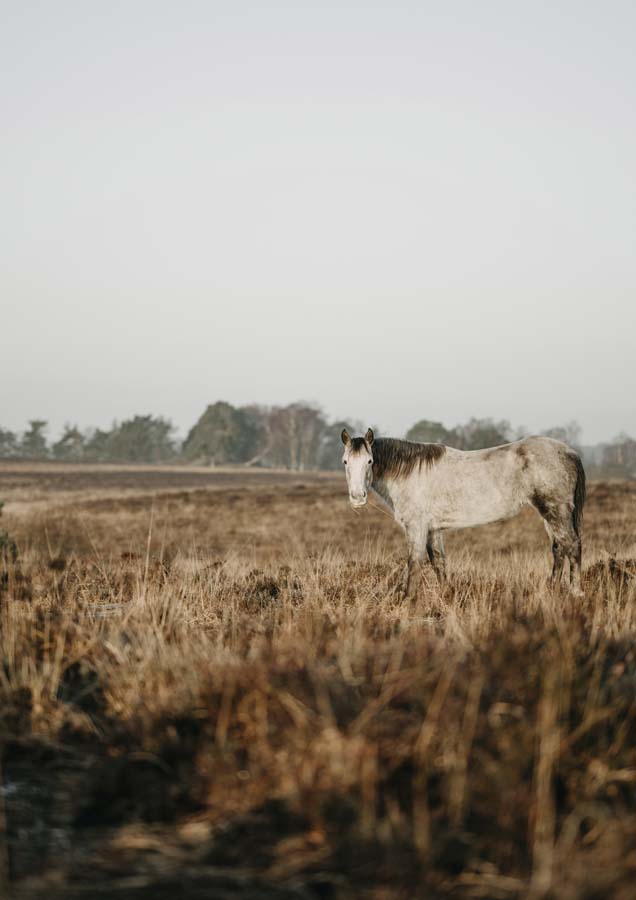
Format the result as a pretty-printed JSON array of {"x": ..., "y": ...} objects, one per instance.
[{"x": 297, "y": 436}]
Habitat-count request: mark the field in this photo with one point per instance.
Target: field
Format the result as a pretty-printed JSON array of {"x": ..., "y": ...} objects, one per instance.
[{"x": 211, "y": 688}]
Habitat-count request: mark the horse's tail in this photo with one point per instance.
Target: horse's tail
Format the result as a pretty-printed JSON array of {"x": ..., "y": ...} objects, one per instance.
[{"x": 579, "y": 493}]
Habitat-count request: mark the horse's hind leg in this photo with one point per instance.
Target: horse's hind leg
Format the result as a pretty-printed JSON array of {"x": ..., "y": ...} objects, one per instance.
[
  {"x": 565, "y": 542},
  {"x": 574, "y": 556},
  {"x": 436, "y": 555},
  {"x": 569, "y": 542},
  {"x": 558, "y": 555},
  {"x": 574, "y": 552},
  {"x": 558, "y": 563}
]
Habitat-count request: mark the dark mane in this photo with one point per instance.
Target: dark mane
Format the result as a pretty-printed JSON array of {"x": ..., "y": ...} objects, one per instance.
[
  {"x": 358, "y": 444},
  {"x": 399, "y": 458}
]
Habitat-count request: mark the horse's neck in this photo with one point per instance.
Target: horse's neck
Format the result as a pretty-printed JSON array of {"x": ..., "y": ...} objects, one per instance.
[
  {"x": 384, "y": 490},
  {"x": 397, "y": 493}
]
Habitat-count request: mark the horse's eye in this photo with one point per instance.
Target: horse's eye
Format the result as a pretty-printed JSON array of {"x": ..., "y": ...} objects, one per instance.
[
  {"x": 370, "y": 461},
  {"x": 345, "y": 462}
]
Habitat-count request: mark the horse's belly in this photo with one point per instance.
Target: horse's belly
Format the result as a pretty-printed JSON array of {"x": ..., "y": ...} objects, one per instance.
[{"x": 472, "y": 510}]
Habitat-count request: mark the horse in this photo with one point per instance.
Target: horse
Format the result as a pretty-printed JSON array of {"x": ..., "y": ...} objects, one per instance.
[{"x": 432, "y": 487}]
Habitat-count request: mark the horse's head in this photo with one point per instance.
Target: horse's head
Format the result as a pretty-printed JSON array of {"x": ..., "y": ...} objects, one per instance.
[{"x": 358, "y": 463}]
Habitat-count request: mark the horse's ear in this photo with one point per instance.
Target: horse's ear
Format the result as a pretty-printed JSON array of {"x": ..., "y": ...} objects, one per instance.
[
  {"x": 369, "y": 437},
  {"x": 345, "y": 437}
]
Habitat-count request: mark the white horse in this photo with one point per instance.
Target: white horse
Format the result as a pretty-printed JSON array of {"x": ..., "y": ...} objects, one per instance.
[{"x": 430, "y": 487}]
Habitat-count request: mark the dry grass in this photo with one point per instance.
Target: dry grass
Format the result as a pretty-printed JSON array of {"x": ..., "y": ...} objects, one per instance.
[{"x": 213, "y": 689}]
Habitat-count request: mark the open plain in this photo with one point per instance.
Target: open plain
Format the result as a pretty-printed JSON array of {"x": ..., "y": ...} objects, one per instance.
[{"x": 211, "y": 687}]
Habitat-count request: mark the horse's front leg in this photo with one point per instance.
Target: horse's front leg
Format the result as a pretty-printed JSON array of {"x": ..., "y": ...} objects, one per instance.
[
  {"x": 436, "y": 555},
  {"x": 416, "y": 541}
]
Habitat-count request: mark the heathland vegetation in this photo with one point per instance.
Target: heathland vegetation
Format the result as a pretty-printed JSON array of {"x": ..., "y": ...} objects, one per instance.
[
  {"x": 298, "y": 437},
  {"x": 211, "y": 687}
]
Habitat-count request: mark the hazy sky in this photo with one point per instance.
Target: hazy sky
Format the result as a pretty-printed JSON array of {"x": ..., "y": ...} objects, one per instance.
[{"x": 397, "y": 210}]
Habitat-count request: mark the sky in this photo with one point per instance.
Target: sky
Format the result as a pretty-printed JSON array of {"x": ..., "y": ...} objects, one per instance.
[{"x": 395, "y": 210}]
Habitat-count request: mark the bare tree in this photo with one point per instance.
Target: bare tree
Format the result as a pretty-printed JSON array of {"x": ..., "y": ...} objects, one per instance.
[
  {"x": 295, "y": 435},
  {"x": 619, "y": 457}
]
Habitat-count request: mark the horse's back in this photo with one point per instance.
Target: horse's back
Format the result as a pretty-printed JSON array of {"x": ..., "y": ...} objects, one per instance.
[
  {"x": 546, "y": 452},
  {"x": 537, "y": 452},
  {"x": 522, "y": 471}
]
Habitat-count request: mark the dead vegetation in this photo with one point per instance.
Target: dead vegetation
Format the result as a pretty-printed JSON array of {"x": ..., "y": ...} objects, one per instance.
[{"x": 218, "y": 692}]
